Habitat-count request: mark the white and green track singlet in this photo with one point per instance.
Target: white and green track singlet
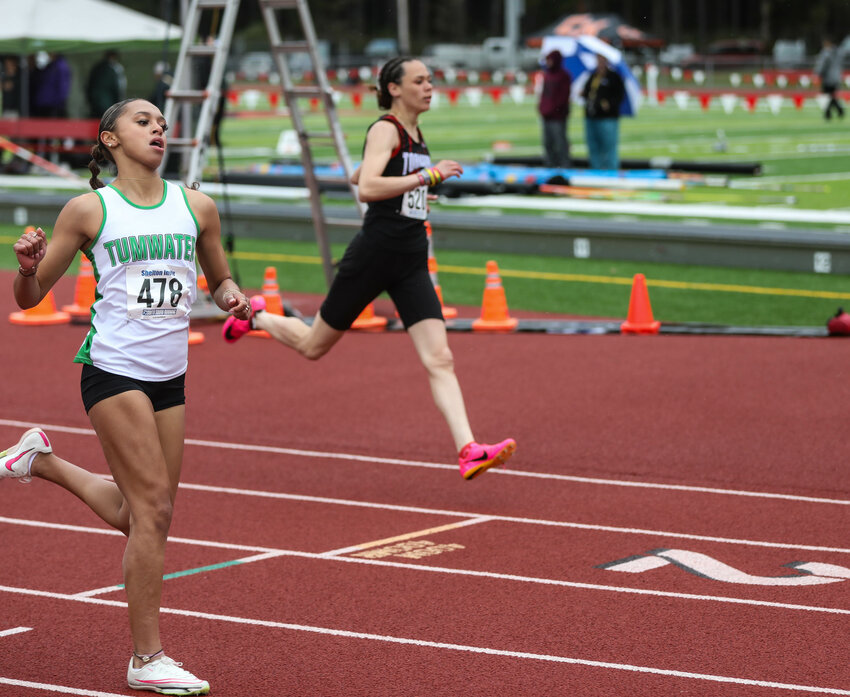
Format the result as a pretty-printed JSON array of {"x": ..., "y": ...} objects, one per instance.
[{"x": 144, "y": 265}]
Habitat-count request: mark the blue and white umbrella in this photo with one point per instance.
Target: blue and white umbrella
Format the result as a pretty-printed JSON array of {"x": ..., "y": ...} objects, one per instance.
[{"x": 579, "y": 56}]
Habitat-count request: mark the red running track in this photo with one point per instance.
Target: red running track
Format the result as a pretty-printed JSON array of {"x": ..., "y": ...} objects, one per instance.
[{"x": 639, "y": 542}]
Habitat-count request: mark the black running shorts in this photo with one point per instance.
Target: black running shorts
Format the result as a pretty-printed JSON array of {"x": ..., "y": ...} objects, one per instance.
[
  {"x": 96, "y": 385},
  {"x": 367, "y": 270}
]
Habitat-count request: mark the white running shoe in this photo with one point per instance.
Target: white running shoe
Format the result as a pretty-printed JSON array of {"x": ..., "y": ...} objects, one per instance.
[
  {"x": 15, "y": 462},
  {"x": 166, "y": 677}
]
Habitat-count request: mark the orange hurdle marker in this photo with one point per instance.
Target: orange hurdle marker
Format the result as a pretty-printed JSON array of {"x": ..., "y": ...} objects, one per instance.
[
  {"x": 80, "y": 310},
  {"x": 640, "y": 319},
  {"x": 448, "y": 312},
  {"x": 271, "y": 294},
  {"x": 196, "y": 338},
  {"x": 494, "y": 308},
  {"x": 369, "y": 320}
]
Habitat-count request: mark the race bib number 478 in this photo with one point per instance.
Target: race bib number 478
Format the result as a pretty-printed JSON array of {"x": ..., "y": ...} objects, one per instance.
[{"x": 157, "y": 292}]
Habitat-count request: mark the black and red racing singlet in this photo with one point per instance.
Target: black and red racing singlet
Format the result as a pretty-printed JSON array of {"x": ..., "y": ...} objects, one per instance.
[{"x": 399, "y": 223}]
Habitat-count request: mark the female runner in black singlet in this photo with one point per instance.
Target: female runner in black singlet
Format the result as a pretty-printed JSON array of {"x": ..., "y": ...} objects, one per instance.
[{"x": 390, "y": 253}]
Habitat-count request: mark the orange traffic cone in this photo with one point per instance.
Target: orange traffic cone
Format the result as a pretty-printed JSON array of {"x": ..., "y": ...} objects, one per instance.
[
  {"x": 204, "y": 299},
  {"x": 640, "y": 319},
  {"x": 369, "y": 320},
  {"x": 494, "y": 308},
  {"x": 196, "y": 338},
  {"x": 42, "y": 314},
  {"x": 80, "y": 310},
  {"x": 448, "y": 312},
  {"x": 271, "y": 294}
]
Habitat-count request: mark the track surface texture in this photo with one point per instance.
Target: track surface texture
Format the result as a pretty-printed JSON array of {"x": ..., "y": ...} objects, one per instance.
[{"x": 674, "y": 521}]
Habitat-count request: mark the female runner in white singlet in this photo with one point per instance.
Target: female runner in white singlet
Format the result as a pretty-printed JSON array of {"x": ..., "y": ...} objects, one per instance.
[{"x": 143, "y": 236}]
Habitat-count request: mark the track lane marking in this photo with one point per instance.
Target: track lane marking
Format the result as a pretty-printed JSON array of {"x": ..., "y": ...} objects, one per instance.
[
  {"x": 434, "y": 465},
  {"x": 114, "y": 533},
  {"x": 504, "y": 577},
  {"x": 408, "y": 536},
  {"x": 187, "y": 572},
  {"x": 422, "y": 643},
  {"x": 453, "y": 514},
  {"x": 15, "y": 630},
  {"x": 58, "y": 688},
  {"x": 510, "y": 519}
]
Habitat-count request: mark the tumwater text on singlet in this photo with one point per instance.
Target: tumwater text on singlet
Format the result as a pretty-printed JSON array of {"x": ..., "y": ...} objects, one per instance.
[
  {"x": 150, "y": 247},
  {"x": 414, "y": 161}
]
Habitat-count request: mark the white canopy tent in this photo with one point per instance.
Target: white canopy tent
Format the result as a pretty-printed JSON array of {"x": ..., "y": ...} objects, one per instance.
[
  {"x": 75, "y": 26},
  {"x": 65, "y": 26}
]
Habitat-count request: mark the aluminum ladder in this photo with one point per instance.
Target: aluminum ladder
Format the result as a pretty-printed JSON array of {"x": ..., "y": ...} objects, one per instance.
[
  {"x": 190, "y": 107},
  {"x": 184, "y": 95}
]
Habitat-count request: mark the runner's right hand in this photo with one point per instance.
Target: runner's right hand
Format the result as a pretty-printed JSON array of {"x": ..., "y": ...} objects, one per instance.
[{"x": 30, "y": 248}]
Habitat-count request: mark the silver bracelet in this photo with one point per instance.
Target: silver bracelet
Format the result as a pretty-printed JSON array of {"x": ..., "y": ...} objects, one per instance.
[{"x": 27, "y": 275}]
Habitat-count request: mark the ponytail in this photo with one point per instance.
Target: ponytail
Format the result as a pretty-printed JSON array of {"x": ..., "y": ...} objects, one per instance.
[{"x": 100, "y": 155}]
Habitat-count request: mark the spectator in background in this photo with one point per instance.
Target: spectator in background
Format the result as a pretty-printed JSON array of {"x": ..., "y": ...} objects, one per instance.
[
  {"x": 828, "y": 68},
  {"x": 107, "y": 84},
  {"x": 554, "y": 108},
  {"x": 164, "y": 77},
  {"x": 51, "y": 86},
  {"x": 603, "y": 95},
  {"x": 11, "y": 77}
]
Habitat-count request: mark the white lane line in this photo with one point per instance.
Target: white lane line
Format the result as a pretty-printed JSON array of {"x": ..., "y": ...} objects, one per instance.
[
  {"x": 434, "y": 465},
  {"x": 439, "y": 512},
  {"x": 422, "y": 643},
  {"x": 513, "y": 519},
  {"x": 267, "y": 553},
  {"x": 58, "y": 688},
  {"x": 115, "y": 533},
  {"x": 16, "y": 630}
]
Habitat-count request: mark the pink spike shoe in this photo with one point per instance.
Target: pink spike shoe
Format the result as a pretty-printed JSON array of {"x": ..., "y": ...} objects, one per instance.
[
  {"x": 474, "y": 458},
  {"x": 234, "y": 328},
  {"x": 15, "y": 462}
]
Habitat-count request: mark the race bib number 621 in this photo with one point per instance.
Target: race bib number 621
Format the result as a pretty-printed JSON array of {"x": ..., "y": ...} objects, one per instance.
[{"x": 159, "y": 292}]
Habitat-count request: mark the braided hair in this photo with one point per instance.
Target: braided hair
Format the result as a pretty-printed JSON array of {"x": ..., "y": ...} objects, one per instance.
[
  {"x": 100, "y": 154},
  {"x": 392, "y": 71}
]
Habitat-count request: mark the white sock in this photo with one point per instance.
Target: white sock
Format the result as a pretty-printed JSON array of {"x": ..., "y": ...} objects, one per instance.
[{"x": 29, "y": 464}]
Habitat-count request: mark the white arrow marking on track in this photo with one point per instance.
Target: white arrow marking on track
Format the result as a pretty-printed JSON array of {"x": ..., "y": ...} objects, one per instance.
[{"x": 813, "y": 573}]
